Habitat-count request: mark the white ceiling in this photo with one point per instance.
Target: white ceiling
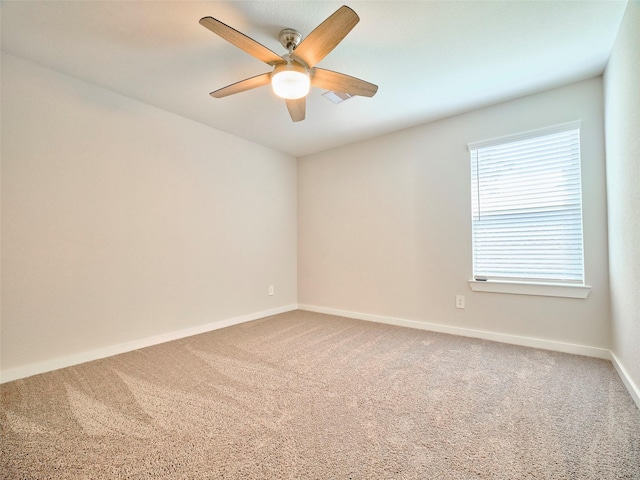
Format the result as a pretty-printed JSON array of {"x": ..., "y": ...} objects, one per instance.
[{"x": 430, "y": 59}]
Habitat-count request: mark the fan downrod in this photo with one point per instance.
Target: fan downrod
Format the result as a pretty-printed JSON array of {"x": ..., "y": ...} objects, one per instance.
[{"x": 290, "y": 38}]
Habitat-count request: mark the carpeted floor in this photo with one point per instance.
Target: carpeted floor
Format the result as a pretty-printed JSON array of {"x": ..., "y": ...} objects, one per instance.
[{"x": 309, "y": 396}]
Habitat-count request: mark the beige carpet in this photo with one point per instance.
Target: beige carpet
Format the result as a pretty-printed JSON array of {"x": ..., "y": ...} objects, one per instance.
[{"x": 309, "y": 396}]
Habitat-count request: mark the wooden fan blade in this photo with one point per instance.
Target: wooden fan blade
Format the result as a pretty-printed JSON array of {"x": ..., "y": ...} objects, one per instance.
[
  {"x": 241, "y": 41},
  {"x": 339, "y": 82},
  {"x": 297, "y": 108},
  {"x": 243, "y": 85},
  {"x": 326, "y": 36}
]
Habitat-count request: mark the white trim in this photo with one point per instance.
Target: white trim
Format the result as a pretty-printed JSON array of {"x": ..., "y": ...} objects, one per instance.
[
  {"x": 538, "y": 132},
  {"x": 70, "y": 360},
  {"x": 467, "y": 332},
  {"x": 531, "y": 288},
  {"x": 633, "y": 389}
]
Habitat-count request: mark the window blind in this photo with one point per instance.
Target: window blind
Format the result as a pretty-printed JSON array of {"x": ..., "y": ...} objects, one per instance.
[{"x": 527, "y": 208}]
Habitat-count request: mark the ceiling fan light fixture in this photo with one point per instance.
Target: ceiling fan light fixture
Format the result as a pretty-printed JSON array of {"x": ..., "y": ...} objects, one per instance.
[
  {"x": 293, "y": 73},
  {"x": 290, "y": 81}
]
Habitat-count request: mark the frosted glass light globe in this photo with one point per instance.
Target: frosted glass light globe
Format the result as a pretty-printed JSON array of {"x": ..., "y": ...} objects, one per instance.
[{"x": 290, "y": 81}]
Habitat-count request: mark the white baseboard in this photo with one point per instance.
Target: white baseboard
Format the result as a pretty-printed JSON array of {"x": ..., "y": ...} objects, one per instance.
[
  {"x": 633, "y": 389},
  {"x": 70, "y": 360},
  {"x": 596, "y": 352},
  {"x": 467, "y": 332}
]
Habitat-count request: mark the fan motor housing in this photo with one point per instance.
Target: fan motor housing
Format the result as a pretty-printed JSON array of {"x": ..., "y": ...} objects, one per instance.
[{"x": 290, "y": 38}]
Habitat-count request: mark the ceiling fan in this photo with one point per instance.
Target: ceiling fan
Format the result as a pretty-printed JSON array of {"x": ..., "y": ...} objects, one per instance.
[{"x": 295, "y": 72}]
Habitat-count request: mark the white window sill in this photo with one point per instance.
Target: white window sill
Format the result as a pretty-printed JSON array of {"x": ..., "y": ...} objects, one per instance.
[{"x": 527, "y": 288}]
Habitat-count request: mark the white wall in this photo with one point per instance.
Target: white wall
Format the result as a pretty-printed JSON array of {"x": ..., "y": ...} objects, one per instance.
[
  {"x": 121, "y": 221},
  {"x": 622, "y": 95},
  {"x": 384, "y": 226}
]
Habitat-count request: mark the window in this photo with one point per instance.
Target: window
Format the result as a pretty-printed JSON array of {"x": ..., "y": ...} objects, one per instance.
[{"x": 527, "y": 209}]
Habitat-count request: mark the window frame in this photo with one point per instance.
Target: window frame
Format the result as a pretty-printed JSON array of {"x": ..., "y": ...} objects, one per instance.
[{"x": 569, "y": 289}]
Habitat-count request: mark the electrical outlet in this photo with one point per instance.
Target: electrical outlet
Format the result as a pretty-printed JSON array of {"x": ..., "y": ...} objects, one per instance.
[
  {"x": 270, "y": 289},
  {"x": 459, "y": 301}
]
